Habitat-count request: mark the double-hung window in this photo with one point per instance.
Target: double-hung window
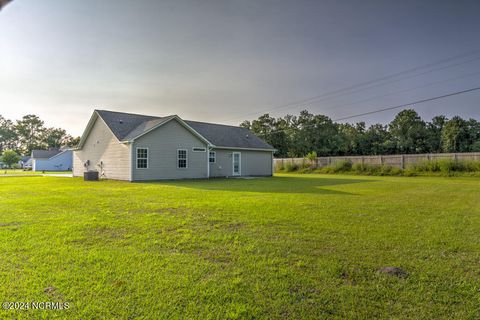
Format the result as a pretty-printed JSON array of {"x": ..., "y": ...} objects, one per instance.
[
  {"x": 182, "y": 158},
  {"x": 212, "y": 157},
  {"x": 142, "y": 158}
]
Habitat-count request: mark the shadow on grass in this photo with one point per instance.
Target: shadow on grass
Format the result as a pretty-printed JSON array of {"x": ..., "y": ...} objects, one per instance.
[{"x": 268, "y": 185}]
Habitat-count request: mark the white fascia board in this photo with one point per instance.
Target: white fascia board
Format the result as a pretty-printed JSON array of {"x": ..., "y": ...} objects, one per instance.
[
  {"x": 251, "y": 149},
  {"x": 86, "y": 132}
]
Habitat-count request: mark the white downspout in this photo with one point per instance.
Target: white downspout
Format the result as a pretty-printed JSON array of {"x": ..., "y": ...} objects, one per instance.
[
  {"x": 132, "y": 161},
  {"x": 208, "y": 161},
  {"x": 273, "y": 164}
]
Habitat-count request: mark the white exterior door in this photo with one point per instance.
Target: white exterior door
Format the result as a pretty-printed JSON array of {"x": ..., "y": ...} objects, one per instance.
[{"x": 237, "y": 163}]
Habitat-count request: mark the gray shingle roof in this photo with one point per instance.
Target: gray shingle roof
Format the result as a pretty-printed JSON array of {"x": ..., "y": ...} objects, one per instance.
[
  {"x": 144, "y": 127},
  {"x": 228, "y": 136},
  {"x": 44, "y": 154},
  {"x": 127, "y": 126},
  {"x": 121, "y": 123}
]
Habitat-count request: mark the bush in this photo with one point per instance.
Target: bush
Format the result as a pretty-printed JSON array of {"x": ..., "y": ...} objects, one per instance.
[
  {"x": 290, "y": 167},
  {"x": 365, "y": 168},
  {"x": 9, "y": 158},
  {"x": 342, "y": 166},
  {"x": 311, "y": 158},
  {"x": 445, "y": 166},
  {"x": 305, "y": 169},
  {"x": 280, "y": 167}
]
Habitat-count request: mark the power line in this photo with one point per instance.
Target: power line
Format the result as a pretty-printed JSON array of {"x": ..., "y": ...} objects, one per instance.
[
  {"x": 327, "y": 96},
  {"x": 394, "y": 107},
  {"x": 409, "y": 104},
  {"x": 368, "y": 84},
  {"x": 403, "y": 91}
]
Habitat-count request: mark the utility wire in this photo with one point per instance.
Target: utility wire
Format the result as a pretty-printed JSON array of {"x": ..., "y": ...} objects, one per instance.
[
  {"x": 392, "y": 108},
  {"x": 369, "y": 84},
  {"x": 337, "y": 106},
  {"x": 409, "y": 104}
]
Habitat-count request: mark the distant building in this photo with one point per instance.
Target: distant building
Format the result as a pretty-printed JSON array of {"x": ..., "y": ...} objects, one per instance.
[
  {"x": 25, "y": 162},
  {"x": 52, "y": 160}
]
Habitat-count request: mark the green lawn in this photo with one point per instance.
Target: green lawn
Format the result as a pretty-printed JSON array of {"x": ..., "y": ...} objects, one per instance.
[
  {"x": 29, "y": 172},
  {"x": 292, "y": 246}
]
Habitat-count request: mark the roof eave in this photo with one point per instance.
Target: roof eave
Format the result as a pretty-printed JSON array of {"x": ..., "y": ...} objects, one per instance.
[
  {"x": 96, "y": 115},
  {"x": 243, "y": 148},
  {"x": 85, "y": 134}
]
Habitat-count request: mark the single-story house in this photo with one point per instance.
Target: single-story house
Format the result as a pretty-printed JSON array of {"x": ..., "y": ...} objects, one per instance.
[
  {"x": 25, "y": 162},
  {"x": 134, "y": 147},
  {"x": 52, "y": 160}
]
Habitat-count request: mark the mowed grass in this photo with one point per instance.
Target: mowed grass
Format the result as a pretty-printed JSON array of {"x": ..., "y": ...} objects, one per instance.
[
  {"x": 9, "y": 172},
  {"x": 288, "y": 247}
]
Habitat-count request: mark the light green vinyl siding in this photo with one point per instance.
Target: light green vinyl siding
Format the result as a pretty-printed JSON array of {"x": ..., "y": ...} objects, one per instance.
[
  {"x": 102, "y": 146},
  {"x": 253, "y": 163},
  {"x": 162, "y": 144}
]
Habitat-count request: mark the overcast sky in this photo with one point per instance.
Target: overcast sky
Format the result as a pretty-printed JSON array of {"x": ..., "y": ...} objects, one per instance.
[{"x": 226, "y": 61}]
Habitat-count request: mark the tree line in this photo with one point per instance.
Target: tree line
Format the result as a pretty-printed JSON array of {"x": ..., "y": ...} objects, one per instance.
[
  {"x": 28, "y": 133},
  {"x": 296, "y": 136}
]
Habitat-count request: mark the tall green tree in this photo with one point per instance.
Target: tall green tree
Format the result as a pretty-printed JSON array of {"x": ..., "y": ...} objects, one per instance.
[
  {"x": 455, "y": 135},
  {"x": 273, "y": 131},
  {"x": 30, "y": 132},
  {"x": 434, "y": 133},
  {"x": 473, "y": 134},
  {"x": 295, "y": 136},
  {"x": 54, "y": 137},
  {"x": 315, "y": 133},
  {"x": 378, "y": 140},
  {"x": 9, "y": 158},
  {"x": 352, "y": 138},
  {"x": 409, "y": 132},
  {"x": 70, "y": 141},
  {"x": 8, "y": 136}
]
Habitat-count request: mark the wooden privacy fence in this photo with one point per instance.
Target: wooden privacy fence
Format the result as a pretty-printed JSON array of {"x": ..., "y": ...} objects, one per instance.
[{"x": 397, "y": 160}]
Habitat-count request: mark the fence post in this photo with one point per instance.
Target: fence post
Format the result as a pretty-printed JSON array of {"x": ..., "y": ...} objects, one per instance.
[
  {"x": 402, "y": 161},
  {"x": 363, "y": 160},
  {"x": 381, "y": 160}
]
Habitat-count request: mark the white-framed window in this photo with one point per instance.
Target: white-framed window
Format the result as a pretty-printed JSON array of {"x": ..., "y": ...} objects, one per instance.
[
  {"x": 212, "y": 157},
  {"x": 182, "y": 158},
  {"x": 199, "y": 149},
  {"x": 142, "y": 158}
]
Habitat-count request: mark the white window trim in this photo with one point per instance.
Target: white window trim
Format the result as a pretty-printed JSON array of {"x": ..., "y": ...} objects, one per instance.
[
  {"x": 203, "y": 149},
  {"x": 147, "y": 158},
  {"x": 186, "y": 158},
  {"x": 239, "y": 164},
  {"x": 214, "y": 157}
]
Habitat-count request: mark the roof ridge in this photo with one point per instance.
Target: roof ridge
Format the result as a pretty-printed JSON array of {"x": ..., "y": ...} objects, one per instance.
[
  {"x": 217, "y": 124},
  {"x": 128, "y": 113},
  {"x": 171, "y": 115},
  {"x": 161, "y": 119}
]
